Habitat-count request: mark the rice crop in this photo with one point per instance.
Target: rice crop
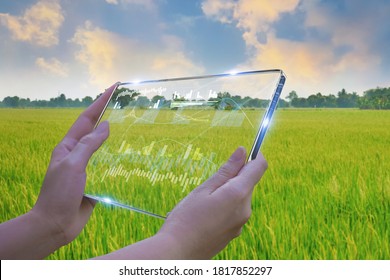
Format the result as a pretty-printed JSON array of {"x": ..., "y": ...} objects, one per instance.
[{"x": 325, "y": 195}]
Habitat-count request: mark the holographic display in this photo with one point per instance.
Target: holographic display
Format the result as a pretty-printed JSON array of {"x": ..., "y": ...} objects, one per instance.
[{"x": 168, "y": 136}]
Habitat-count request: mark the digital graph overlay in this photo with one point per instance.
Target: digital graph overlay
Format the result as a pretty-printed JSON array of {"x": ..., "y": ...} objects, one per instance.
[
  {"x": 160, "y": 165},
  {"x": 170, "y": 135}
]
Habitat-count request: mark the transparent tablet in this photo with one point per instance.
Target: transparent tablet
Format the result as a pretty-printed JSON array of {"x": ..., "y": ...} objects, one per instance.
[{"x": 168, "y": 136}]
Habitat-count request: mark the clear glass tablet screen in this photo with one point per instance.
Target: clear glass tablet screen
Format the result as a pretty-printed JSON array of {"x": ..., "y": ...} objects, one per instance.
[{"x": 168, "y": 136}]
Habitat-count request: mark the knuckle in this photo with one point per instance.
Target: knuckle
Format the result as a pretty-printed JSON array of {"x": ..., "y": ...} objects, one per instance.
[
  {"x": 264, "y": 163},
  {"x": 242, "y": 220},
  {"x": 225, "y": 172},
  {"x": 237, "y": 193},
  {"x": 246, "y": 215},
  {"x": 86, "y": 140},
  {"x": 237, "y": 232},
  {"x": 68, "y": 163},
  {"x": 57, "y": 149}
]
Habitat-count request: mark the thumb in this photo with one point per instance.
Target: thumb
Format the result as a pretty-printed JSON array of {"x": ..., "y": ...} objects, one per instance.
[
  {"x": 88, "y": 144},
  {"x": 251, "y": 174},
  {"x": 227, "y": 171}
]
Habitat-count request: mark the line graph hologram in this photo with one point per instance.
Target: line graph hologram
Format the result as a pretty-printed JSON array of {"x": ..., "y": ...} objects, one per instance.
[{"x": 168, "y": 136}]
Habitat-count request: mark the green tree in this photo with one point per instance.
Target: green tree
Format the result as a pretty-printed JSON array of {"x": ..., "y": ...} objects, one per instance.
[
  {"x": 24, "y": 102},
  {"x": 224, "y": 94},
  {"x": 61, "y": 100},
  {"x": 316, "y": 100},
  {"x": 347, "y": 100},
  {"x": 12, "y": 102},
  {"x": 378, "y": 98},
  {"x": 143, "y": 102},
  {"x": 330, "y": 101},
  {"x": 86, "y": 101},
  {"x": 283, "y": 103},
  {"x": 123, "y": 96},
  {"x": 156, "y": 98},
  {"x": 292, "y": 95},
  {"x": 299, "y": 102}
]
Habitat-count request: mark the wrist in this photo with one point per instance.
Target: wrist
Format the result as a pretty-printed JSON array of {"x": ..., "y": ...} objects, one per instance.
[
  {"x": 160, "y": 246},
  {"x": 170, "y": 247},
  {"x": 181, "y": 244},
  {"x": 28, "y": 237},
  {"x": 53, "y": 233}
]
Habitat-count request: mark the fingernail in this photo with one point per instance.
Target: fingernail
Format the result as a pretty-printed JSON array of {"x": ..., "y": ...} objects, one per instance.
[
  {"x": 238, "y": 154},
  {"x": 113, "y": 86}
]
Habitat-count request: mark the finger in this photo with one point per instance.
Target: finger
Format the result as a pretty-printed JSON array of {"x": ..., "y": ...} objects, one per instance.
[
  {"x": 83, "y": 125},
  {"x": 259, "y": 164},
  {"x": 86, "y": 209},
  {"x": 87, "y": 145},
  {"x": 87, "y": 120},
  {"x": 250, "y": 175},
  {"x": 228, "y": 171},
  {"x": 240, "y": 188}
]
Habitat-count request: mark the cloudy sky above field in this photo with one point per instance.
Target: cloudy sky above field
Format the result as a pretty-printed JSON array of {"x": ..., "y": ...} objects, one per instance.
[{"x": 80, "y": 48}]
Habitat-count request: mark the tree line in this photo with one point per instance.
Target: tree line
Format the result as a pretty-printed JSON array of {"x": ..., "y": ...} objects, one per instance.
[
  {"x": 378, "y": 98},
  {"x": 59, "y": 101}
]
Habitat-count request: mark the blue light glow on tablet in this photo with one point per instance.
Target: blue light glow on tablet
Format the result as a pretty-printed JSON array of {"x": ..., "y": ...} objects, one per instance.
[
  {"x": 106, "y": 200},
  {"x": 266, "y": 122}
]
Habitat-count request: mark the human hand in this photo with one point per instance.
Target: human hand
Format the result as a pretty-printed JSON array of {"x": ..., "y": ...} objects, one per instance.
[
  {"x": 213, "y": 214},
  {"x": 205, "y": 221},
  {"x": 61, "y": 205}
]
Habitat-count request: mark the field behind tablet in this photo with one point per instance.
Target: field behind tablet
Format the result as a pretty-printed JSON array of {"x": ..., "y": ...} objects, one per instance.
[{"x": 326, "y": 194}]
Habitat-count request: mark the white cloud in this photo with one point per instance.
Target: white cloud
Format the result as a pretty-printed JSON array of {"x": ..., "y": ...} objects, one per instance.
[
  {"x": 311, "y": 64},
  {"x": 354, "y": 30},
  {"x": 114, "y": 2},
  {"x": 53, "y": 66},
  {"x": 110, "y": 57},
  {"x": 221, "y": 10},
  {"x": 251, "y": 16},
  {"x": 39, "y": 25},
  {"x": 148, "y": 4}
]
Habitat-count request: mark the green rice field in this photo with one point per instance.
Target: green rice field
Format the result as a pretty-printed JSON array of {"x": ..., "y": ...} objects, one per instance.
[{"x": 325, "y": 195}]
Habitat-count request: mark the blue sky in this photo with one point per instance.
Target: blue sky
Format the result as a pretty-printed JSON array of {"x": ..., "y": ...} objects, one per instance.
[{"x": 81, "y": 47}]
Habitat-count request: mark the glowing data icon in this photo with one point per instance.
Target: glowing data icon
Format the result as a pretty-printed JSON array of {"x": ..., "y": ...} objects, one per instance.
[{"x": 168, "y": 136}]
